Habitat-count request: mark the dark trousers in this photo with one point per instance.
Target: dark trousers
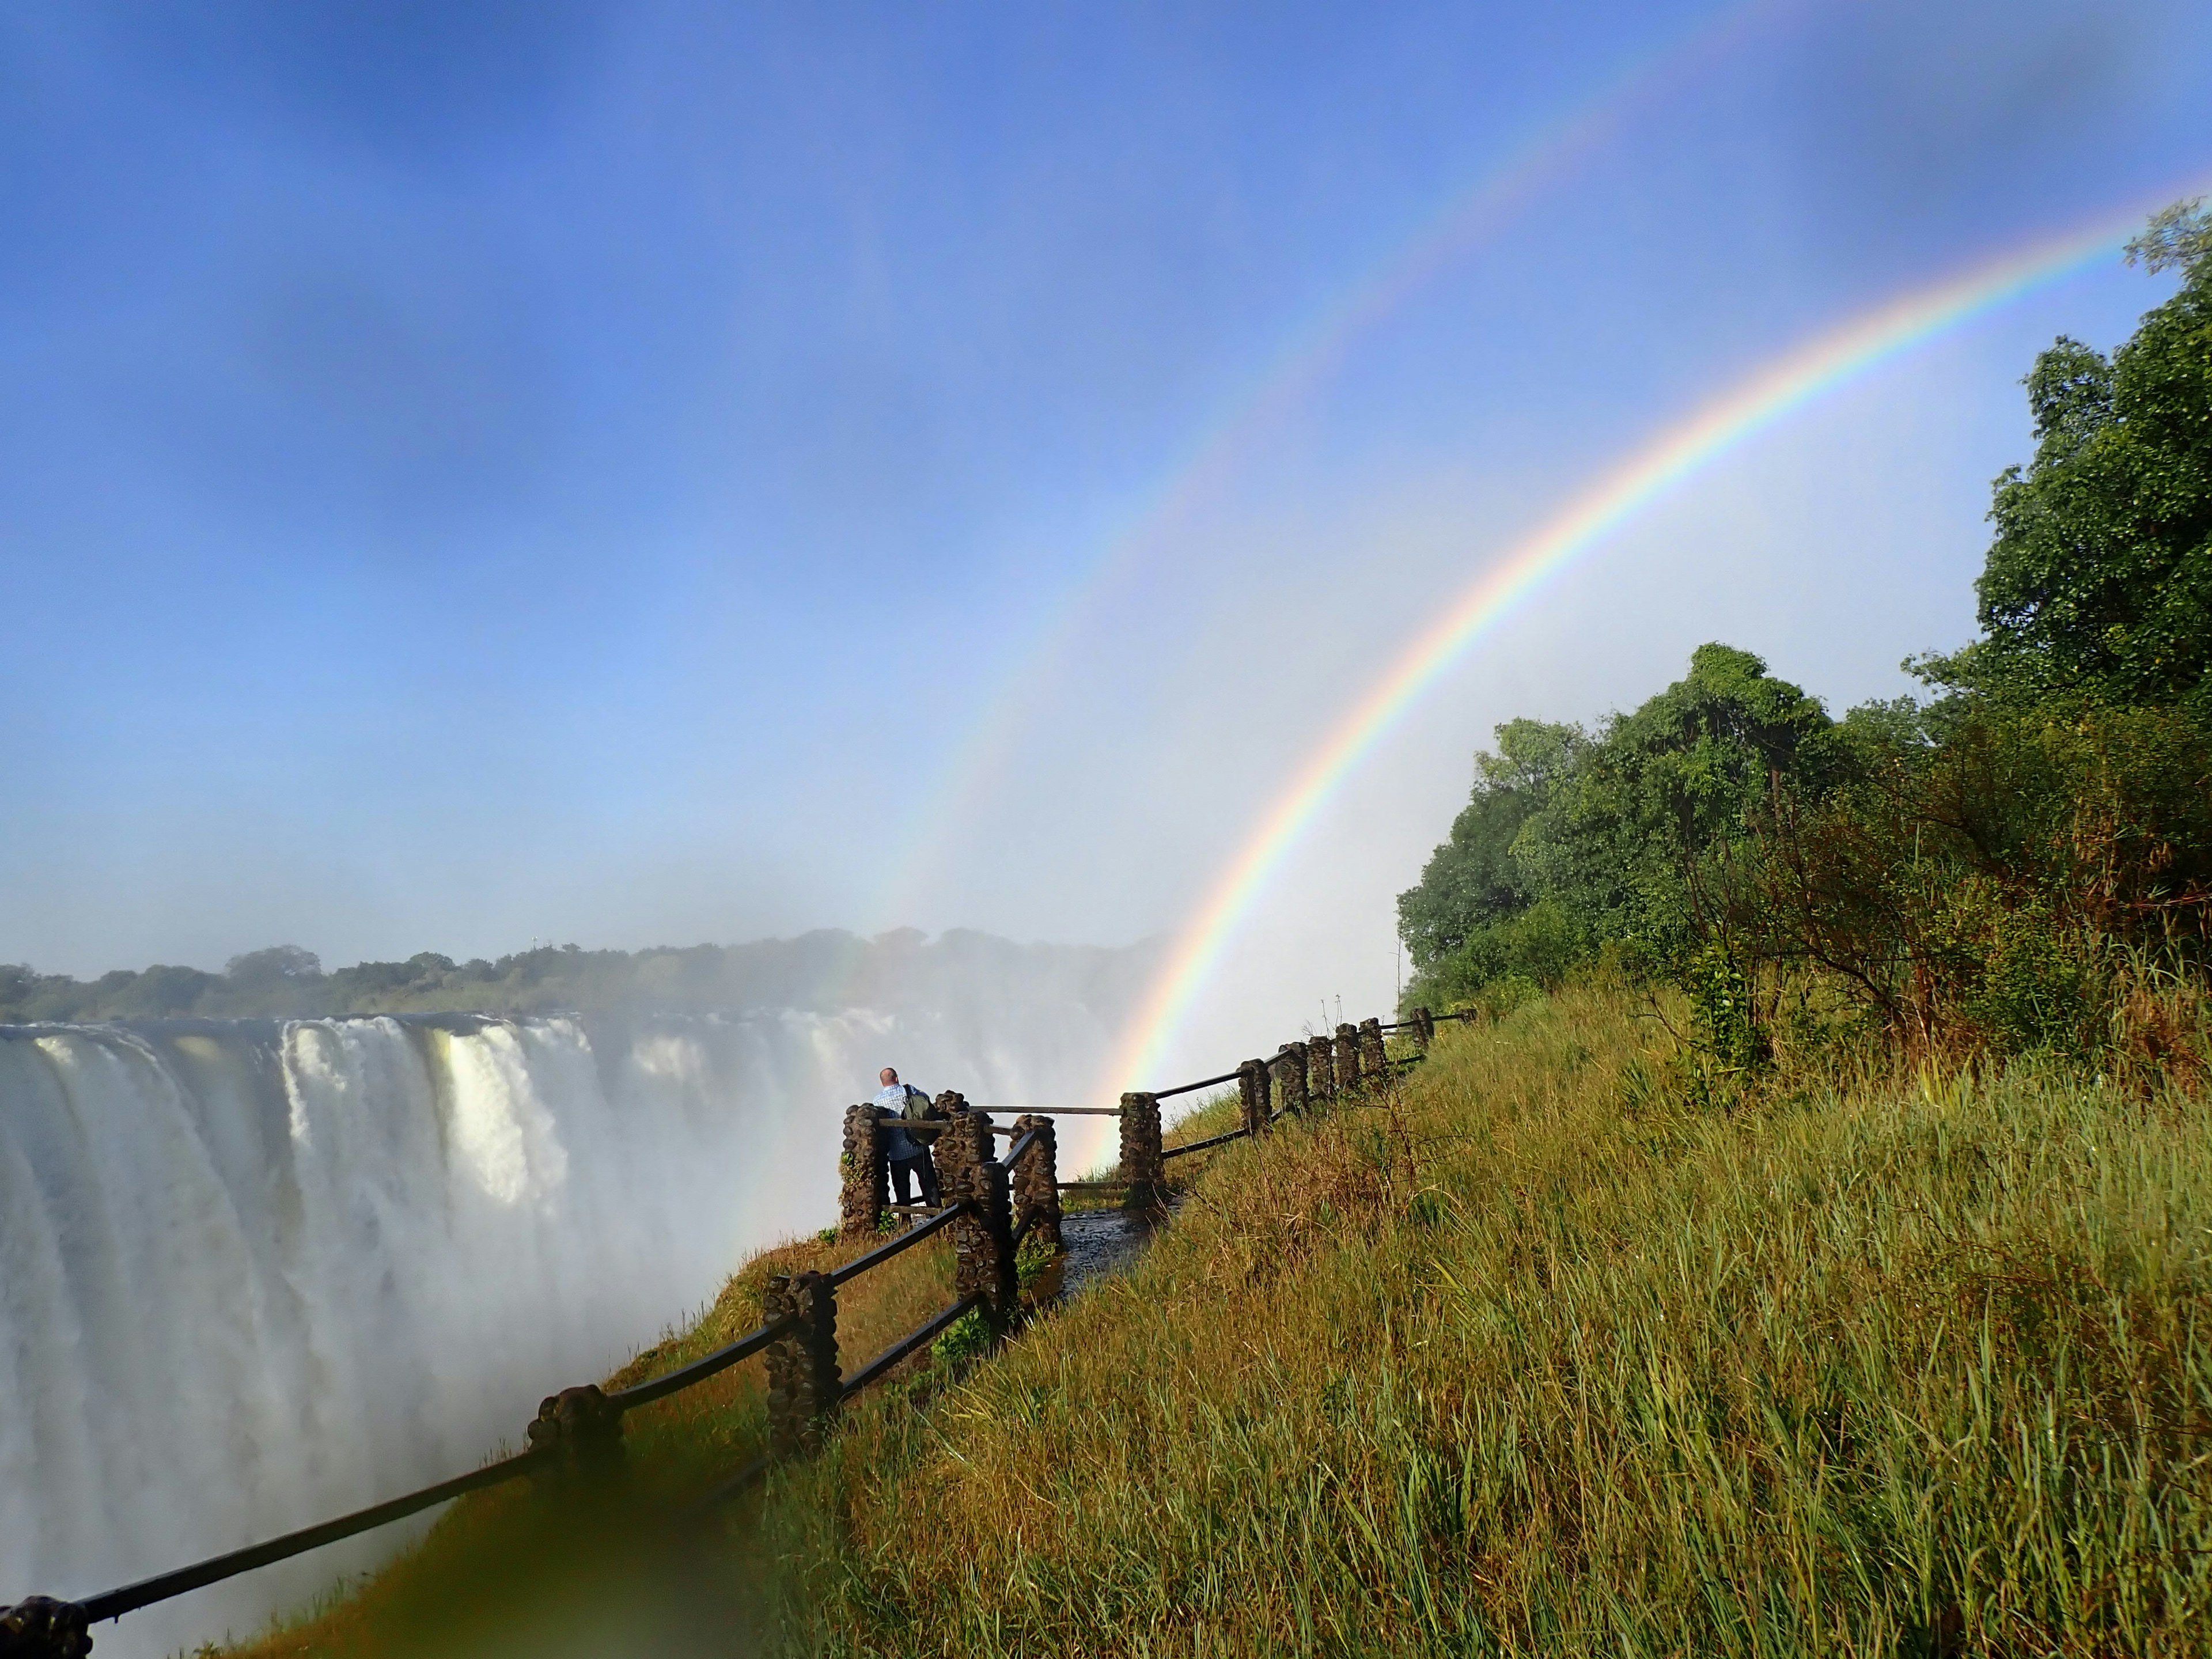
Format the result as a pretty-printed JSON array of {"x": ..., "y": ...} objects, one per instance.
[{"x": 924, "y": 1170}]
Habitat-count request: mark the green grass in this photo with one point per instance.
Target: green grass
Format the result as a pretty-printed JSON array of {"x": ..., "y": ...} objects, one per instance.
[
  {"x": 1531, "y": 1355},
  {"x": 1501, "y": 1364}
]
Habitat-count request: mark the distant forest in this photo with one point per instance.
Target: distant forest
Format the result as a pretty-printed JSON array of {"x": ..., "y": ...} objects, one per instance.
[
  {"x": 2019, "y": 862},
  {"x": 821, "y": 971}
]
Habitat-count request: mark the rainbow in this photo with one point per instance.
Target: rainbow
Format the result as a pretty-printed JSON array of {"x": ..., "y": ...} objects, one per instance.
[
  {"x": 1768, "y": 395},
  {"x": 1310, "y": 354}
]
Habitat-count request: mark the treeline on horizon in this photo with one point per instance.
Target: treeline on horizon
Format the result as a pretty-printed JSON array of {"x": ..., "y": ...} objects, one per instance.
[
  {"x": 819, "y": 971},
  {"x": 2019, "y": 861}
]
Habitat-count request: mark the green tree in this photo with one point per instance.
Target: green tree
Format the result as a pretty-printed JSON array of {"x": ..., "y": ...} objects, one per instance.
[
  {"x": 2098, "y": 580},
  {"x": 1629, "y": 841},
  {"x": 1472, "y": 881}
]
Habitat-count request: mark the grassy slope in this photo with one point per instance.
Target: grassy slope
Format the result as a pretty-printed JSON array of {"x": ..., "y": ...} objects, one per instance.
[
  {"x": 483, "y": 1571},
  {"x": 1503, "y": 1365},
  {"x": 1526, "y": 1358}
]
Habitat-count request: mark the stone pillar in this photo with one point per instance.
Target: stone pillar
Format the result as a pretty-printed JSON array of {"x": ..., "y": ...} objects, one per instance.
[
  {"x": 1290, "y": 1069},
  {"x": 1374, "y": 1058},
  {"x": 1346, "y": 1050},
  {"x": 1252, "y": 1090},
  {"x": 40, "y": 1627},
  {"x": 577, "y": 1435},
  {"x": 1425, "y": 1028},
  {"x": 803, "y": 1384},
  {"x": 863, "y": 1186},
  {"x": 1140, "y": 1151},
  {"x": 1037, "y": 1180},
  {"x": 964, "y": 1138},
  {"x": 1321, "y": 1077},
  {"x": 983, "y": 1241}
]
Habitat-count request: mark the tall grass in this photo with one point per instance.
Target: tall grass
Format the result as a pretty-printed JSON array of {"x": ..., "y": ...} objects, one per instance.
[{"x": 1531, "y": 1355}]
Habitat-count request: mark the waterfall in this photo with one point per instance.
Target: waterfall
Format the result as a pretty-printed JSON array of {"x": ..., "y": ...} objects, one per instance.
[{"x": 255, "y": 1273}]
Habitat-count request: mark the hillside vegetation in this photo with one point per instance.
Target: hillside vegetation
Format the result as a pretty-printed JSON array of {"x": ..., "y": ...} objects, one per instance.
[
  {"x": 2020, "y": 864},
  {"x": 1539, "y": 1355}
]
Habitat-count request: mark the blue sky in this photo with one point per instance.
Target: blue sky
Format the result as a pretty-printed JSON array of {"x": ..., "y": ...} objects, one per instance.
[{"x": 473, "y": 472}]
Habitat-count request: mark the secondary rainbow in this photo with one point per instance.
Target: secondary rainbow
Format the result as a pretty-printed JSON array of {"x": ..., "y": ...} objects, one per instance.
[
  {"x": 1769, "y": 394},
  {"x": 1473, "y": 215}
]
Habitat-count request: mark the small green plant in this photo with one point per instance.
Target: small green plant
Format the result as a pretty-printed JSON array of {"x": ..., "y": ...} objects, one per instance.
[
  {"x": 967, "y": 1338},
  {"x": 1729, "y": 1034},
  {"x": 1031, "y": 1261},
  {"x": 826, "y": 1235}
]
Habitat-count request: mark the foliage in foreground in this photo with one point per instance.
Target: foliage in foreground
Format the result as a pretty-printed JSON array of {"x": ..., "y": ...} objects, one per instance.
[{"x": 1539, "y": 1356}]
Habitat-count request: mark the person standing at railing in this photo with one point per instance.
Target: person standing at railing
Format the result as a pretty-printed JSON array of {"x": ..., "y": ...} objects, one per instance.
[{"x": 909, "y": 1155}]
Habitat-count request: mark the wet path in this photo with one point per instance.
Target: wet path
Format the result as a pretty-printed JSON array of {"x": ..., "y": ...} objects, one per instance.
[{"x": 1099, "y": 1242}]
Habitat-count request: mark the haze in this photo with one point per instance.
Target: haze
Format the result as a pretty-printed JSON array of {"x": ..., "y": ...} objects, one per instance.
[{"x": 479, "y": 472}]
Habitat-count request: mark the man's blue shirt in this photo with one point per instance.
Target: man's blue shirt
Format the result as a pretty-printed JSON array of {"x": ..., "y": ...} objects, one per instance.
[{"x": 899, "y": 1146}]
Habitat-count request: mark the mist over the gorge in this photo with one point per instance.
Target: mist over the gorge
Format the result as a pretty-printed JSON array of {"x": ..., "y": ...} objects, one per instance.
[{"x": 275, "y": 1244}]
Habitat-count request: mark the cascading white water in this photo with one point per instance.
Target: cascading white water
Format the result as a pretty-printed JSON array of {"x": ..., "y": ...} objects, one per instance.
[{"x": 254, "y": 1274}]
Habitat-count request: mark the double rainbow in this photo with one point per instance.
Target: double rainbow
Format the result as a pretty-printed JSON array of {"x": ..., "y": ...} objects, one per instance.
[
  {"x": 1545, "y": 159},
  {"x": 1677, "y": 452}
]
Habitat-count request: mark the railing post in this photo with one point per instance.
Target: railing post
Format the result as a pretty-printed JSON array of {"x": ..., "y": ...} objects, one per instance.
[
  {"x": 1425, "y": 1028},
  {"x": 1140, "y": 1151},
  {"x": 1347, "y": 1049},
  {"x": 40, "y": 1627},
  {"x": 1252, "y": 1090},
  {"x": 1374, "y": 1058},
  {"x": 1037, "y": 1180},
  {"x": 578, "y": 1435},
  {"x": 1290, "y": 1069},
  {"x": 803, "y": 1385},
  {"x": 983, "y": 1242},
  {"x": 864, "y": 1184},
  {"x": 964, "y": 1138},
  {"x": 1320, "y": 1081}
]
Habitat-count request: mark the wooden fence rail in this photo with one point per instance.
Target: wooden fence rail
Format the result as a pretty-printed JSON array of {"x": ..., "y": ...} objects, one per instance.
[{"x": 992, "y": 1207}]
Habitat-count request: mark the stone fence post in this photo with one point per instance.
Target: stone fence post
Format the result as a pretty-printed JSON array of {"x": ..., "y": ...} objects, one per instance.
[
  {"x": 1252, "y": 1094},
  {"x": 1347, "y": 1047},
  {"x": 964, "y": 1138},
  {"x": 1290, "y": 1069},
  {"x": 1037, "y": 1180},
  {"x": 1141, "y": 1167},
  {"x": 40, "y": 1627},
  {"x": 803, "y": 1384},
  {"x": 1425, "y": 1028},
  {"x": 864, "y": 1184},
  {"x": 1374, "y": 1058},
  {"x": 578, "y": 1436},
  {"x": 1320, "y": 1081},
  {"x": 983, "y": 1240}
]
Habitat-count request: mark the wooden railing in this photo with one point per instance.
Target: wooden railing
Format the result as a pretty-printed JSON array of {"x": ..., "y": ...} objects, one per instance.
[{"x": 990, "y": 1206}]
